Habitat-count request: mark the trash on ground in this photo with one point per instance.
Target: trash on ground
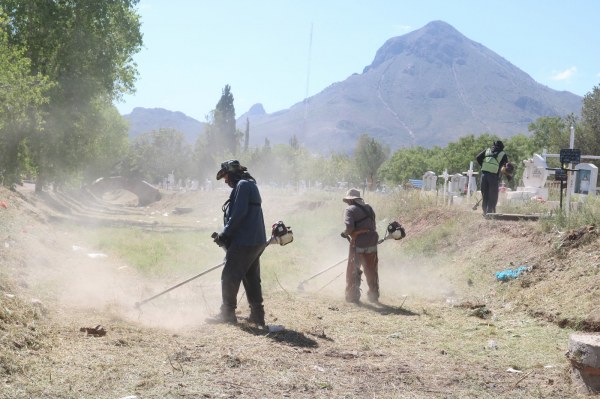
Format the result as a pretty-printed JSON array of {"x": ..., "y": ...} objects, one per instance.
[
  {"x": 98, "y": 331},
  {"x": 97, "y": 255},
  {"x": 3, "y": 204},
  {"x": 510, "y": 274},
  {"x": 511, "y": 370},
  {"x": 275, "y": 328}
]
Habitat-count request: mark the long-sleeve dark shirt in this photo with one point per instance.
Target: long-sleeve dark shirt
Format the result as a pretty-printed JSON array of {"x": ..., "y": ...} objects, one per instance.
[
  {"x": 244, "y": 223},
  {"x": 356, "y": 218}
]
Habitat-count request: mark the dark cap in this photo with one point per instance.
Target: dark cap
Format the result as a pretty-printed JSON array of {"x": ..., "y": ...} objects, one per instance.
[
  {"x": 231, "y": 166},
  {"x": 499, "y": 145}
]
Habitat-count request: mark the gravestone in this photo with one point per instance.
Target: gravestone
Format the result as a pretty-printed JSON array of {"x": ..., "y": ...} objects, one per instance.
[
  {"x": 534, "y": 179},
  {"x": 429, "y": 181},
  {"x": 586, "y": 179}
]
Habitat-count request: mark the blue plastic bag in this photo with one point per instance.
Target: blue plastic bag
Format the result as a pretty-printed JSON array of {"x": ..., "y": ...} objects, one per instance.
[{"x": 510, "y": 274}]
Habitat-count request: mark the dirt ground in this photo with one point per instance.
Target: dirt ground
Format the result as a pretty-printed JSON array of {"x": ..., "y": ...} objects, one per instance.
[{"x": 445, "y": 327}]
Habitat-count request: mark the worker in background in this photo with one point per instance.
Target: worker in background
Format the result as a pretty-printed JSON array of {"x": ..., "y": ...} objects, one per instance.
[
  {"x": 243, "y": 238},
  {"x": 360, "y": 230},
  {"x": 492, "y": 161}
]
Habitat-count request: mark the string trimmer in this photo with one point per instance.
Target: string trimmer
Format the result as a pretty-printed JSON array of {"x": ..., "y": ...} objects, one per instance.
[
  {"x": 280, "y": 233},
  {"x": 394, "y": 231}
]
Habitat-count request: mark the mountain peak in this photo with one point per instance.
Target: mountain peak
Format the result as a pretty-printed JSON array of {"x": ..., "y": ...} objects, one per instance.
[
  {"x": 428, "y": 87},
  {"x": 436, "y": 41},
  {"x": 439, "y": 28},
  {"x": 256, "y": 109}
]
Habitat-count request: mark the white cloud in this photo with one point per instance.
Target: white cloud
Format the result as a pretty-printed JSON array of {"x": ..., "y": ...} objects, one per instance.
[
  {"x": 564, "y": 75},
  {"x": 402, "y": 28},
  {"x": 598, "y": 74}
]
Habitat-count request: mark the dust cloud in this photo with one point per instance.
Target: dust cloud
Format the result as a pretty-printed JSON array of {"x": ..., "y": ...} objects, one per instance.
[{"x": 58, "y": 266}]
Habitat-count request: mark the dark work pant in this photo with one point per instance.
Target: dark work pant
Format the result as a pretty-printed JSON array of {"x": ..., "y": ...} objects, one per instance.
[
  {"x": 369, "y": 263},
  {"x": 489, "y": 192},
  {"x": 242, "y": 264}
]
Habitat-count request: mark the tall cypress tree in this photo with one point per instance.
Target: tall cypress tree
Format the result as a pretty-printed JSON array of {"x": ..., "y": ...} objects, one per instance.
[{"x": 225, "y": 122}]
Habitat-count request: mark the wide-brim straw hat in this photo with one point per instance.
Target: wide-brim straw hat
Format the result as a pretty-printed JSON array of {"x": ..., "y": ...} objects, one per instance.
[{"x": 351, "y": 195}]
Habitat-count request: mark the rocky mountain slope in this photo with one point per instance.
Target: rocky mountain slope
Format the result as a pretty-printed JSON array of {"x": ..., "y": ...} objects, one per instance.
[
  {"x": 143, "y": 120},
  {"x": 428, "y": 87}
]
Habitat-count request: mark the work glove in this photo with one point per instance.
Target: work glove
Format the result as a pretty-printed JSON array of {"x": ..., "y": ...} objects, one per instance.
[{"x": 221, "y": 240}]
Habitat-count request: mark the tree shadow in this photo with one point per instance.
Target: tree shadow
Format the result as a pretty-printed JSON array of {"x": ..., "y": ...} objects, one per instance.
[
  {"x": 385, "y": 310},
  {"x": 287, "y": 337}
]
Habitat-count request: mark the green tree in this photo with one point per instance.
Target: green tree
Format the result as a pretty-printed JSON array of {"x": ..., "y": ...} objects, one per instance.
[
  {"x": 369, "y": 154},
  {"x": 21, "y": 97},
  {"x": 458, "y": 155},
  {"x": 408, "y": 163},
  {"x": 551, "y": 133},
  {"x": 153, "y": 155},
  {"x": 224, "y": 122},
  {"x": 86, "y": 49},
  {"x": 588, "y": 131},
  {"x": 110, "y": 145}
]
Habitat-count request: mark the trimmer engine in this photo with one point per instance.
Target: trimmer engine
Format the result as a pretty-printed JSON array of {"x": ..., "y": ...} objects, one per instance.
[
  {"x": 396, "y": 231},
  {"x": 283, "y": 234}
]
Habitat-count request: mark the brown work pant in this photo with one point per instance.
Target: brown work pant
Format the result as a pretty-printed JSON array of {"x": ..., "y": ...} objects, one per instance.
[{"x": 369, "y": 263}]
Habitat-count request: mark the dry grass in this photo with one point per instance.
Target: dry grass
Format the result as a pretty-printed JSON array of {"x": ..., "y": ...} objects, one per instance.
[{"x": 445, "y": 328}]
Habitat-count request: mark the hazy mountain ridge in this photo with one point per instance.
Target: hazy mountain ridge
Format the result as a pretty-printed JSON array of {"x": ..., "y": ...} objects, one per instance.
[
  {"x": 143, "y": 120},
  {"x": 428, "y": 87}
]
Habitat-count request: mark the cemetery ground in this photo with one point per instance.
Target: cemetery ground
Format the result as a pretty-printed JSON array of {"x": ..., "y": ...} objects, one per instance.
[{"x": 72, "y": 268}]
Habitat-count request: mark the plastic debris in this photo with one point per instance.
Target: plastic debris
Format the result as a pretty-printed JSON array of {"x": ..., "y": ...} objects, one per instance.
[
  {"x": 275, "y": 328},
  {"x": 3, "y": 204},
  {"x": 97, "y": 255},
  {"x": 510, "y": 274}
]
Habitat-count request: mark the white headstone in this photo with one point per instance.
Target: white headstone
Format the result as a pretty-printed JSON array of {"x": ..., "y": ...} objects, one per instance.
[
  {"x": 455, "y": 183},
  {"x": 535, "y": 173},
  {"x": 429, "y": 181},
  {"x": 586, "y": 179}
]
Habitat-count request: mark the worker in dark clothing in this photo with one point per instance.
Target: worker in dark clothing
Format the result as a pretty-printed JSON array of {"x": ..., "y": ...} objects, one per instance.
[
  {"x": 360, "y": 230},
  {"x": 491, "y": 160},
  {"x": 243, "y": 238}
]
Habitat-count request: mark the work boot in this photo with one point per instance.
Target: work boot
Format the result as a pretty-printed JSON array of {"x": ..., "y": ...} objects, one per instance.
[
  {"x": 257, "y": 316},
  {"x": 353, "y": 296},
  {"x": 221, "y": 318},
  {"x": 373, "y": 296}
]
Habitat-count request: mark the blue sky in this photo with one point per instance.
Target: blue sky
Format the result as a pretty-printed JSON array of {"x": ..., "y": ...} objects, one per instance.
[{"x": 263, "y": 49}]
